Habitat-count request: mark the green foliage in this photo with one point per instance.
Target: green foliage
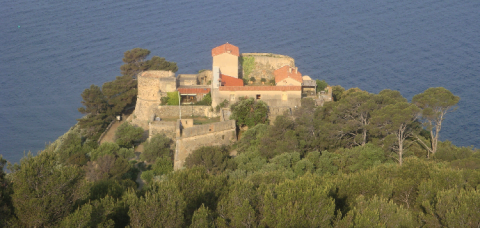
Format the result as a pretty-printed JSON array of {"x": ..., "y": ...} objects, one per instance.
[
  {"x": 263, "y": 80},
  {"x": 206, "y": 100},
  {"x": 162, "y": 208},
  {"x": 120, "y": 93},
  {"x": 251, "y": 139},
  {"x": 248, "y": 112},
  {"x": 109, "y": 187},
  {"x": 337, "y": 92},
  {"x": 280, "y": 138},
  {"x": 109, "y": 148},
  {"x": 435, "y": 103},
  {"x": 248, "y": 64},
  {"x": 96, "y": 107},
  {"x": 6, "y": 206},
  {"x": 164, "y": 100},
  {"x": 237, "y": 209},
  {"x": 93, "y": 100},
  {"x": 157, "y": 147},
  {"x": 362, "y": 157},
  {"x": 127, "y": 134},
  {"x": 71, "y": 151},
  {"x": 159, "y": 63},
  {"x": 173, "y": 98},
  {"x": 397, "y": 120},
  {"x": 198, "y": 187},
  {"x": 162, "y": 166},
  {"x": 135, "y": 62},
  {"x": 148, "y": 176},
  {"x": 93, "y": 214},
  {"x": 458, "y": 209},
  {"x": 379, "y": 212},
  {"x": 252, "y": 79},
  {"x": 215, "y": 159},
  {"x": 321, "y": 85},
  {"x": 104, "y": 149},
  {"x": 44, "y": 192},
  {"x": 202, "y": 218},
  {"x": 222, "y": 104},
  {"x": 250, "y": 161},
  {"x": 107, "y": 166},
  {"x": 298, "y": 203},
  {"x": 448, "y": 152}
]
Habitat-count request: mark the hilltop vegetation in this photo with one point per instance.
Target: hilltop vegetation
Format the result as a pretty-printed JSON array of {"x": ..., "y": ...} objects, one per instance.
[{"x": 364, "y": 160}]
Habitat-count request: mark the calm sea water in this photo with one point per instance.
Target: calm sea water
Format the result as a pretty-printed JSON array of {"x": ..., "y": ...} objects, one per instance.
[{"x": 50, "y": 51}]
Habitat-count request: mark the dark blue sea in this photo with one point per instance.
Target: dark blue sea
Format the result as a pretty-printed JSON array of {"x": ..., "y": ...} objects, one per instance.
[{"x": 50, "y": 51}]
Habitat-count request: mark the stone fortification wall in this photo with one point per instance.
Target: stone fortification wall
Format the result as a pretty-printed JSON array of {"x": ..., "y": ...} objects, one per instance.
[
  {"x": 144, "y": 112},
  {"x": 204, "y": 77},
  {"x": 150, "y": 83},
  {"x": 273, "y": 112},
  {"x": 162, "y": 127},
  {"x": 220, "y": 133},
  {"x": 266, "y": 63},
  {"x": 208, "y": 128},
  {"x": 272, "y": 98},
  {"x": 187, "y": 111},
  {"x": 225, "y": 114}
]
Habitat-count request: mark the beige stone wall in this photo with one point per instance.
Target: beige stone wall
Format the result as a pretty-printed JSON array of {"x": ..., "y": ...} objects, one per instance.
[
  {"x": 148, "y": 88},
  {"x": 272, "y": 98},
  {"x": 162, "y": 127},
  {"x": 204, "y": 77},
  {"x": 289, "y": 82},
  {"x": 151, "y": 83},
  {"x": 168, "y": 84},
  {"x": 266, "y": 63},
  {"x": 274, "y": 60},
  {"x": 144, "y": 112},
  {"x": 220, "y": 133},
  {"x": 228, "y": 64},
  {"x": 187, "y": 111}
]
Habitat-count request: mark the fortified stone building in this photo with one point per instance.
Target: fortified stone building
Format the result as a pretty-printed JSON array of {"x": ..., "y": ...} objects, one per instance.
[{"x": 224, "y": 82}]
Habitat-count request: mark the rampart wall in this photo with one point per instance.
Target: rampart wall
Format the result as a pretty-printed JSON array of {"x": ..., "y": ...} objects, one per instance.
[
  {"x": 215, "y": 134},
  {"x": 273, "y": 112},
  {"x": 187, "y": 111},
  {"x": 162, "y": 127},
  {"x": 266, "y": 63}
]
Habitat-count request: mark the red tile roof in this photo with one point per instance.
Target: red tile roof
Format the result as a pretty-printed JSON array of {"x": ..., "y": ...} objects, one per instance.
[
  {"x": 193, "y": 90},
  {"x": 287, "y": 72},
  {"x": 261, "y": 88},
  {"x": 226, "y": 48},
  {"x": 230, "y": 81}
]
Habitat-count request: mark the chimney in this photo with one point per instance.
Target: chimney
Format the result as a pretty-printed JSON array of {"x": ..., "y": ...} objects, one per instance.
[
  {"x": 289, "y": 70},
  {"x": 296, "y": 70}
]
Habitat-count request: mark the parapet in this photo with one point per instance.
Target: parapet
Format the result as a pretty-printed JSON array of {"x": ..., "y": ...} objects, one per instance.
[
  {"x": 208, "y": 128},
  {"x": 157, "y": 74}
]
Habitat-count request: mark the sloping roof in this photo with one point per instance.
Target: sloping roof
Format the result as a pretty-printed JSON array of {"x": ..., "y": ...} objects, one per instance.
[
  {"x": 261, "y": 88},
  {"x": 287, "y": 72},
  {"x": 193, "y": 90},
  {"x": 230, "y": 81},
  {"x": 226, "y": 48}
]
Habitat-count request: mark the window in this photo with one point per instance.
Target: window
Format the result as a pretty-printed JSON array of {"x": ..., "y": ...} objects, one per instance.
[
  {"x": 284, "y": 96},
  {"x": 259, "y": 96}
]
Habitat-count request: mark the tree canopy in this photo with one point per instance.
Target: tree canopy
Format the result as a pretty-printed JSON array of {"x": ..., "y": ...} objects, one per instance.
[
  {"x": 249, "y": 112},
  {"x": 435, "y": 103}
]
